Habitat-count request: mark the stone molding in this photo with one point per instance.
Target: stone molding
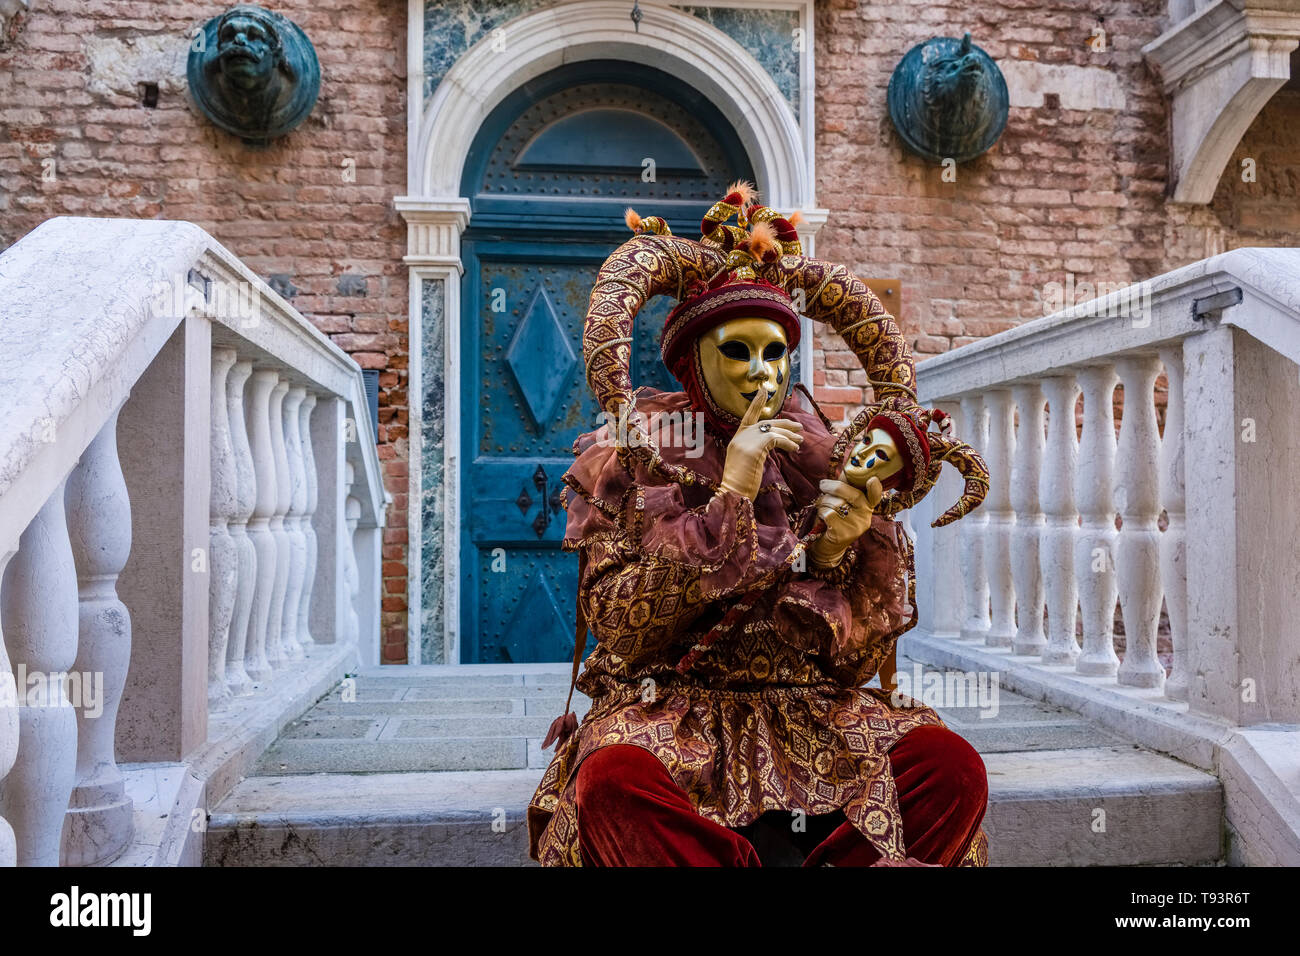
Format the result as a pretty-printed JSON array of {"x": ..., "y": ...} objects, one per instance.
[
  {"x": 433, "y": 230},
  {"x": 1220, "y": 66}
]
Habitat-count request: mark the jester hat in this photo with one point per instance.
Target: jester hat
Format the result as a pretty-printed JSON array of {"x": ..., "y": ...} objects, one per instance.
[{"x": 758, "y": 261}]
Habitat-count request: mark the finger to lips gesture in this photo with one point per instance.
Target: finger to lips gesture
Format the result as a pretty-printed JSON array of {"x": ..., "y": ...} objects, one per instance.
[{"x": 749, "y": 447}]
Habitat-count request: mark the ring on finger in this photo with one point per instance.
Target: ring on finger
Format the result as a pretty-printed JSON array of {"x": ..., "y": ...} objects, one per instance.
[
  {"x": 765, "y": 427},
  {"x": 843, "y": 510}
]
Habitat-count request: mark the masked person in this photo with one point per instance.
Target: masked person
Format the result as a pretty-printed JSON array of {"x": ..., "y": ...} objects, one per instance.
[{"x": 740, "y": 594}]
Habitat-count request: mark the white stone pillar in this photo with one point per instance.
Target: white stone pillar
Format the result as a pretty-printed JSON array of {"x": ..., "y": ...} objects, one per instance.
[
  {"x": 974, "y": 531},
  {"x": 1026, "y": 472},
  {"x": 938, "y": 566},
  {"x": 39, "y": 608},
  {"x": 275, "y": 651},
  {"x": 8, "y": 737},
  {"x": 351, "y": 575},
  {"x": 223, "y": 560},
  {"x": 305, "y": 639},
  {"x": 1173, "y": 543},
  {"x": 330, "y": 431},
  {"x": 1094, "y": 559},
  {"x": 293, "y": 522},
  {"x": 164, "y": 434},
  {"x": 1138, "y": 555},
  {"x": 99, "y": 823},
  {"x": 1001, "y": 519},
  {"x": 1060, "y": 520},
  {"x": 259, "y": 525},
  {"x": 237, "y": 679}
]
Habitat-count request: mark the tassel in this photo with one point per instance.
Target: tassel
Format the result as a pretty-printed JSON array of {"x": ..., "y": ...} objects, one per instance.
[{"x": 561, "y": 728}]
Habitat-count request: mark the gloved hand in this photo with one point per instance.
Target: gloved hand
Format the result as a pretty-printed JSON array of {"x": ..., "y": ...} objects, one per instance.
[
  {"x": 747, "y": 452},
  {"x": 847, "y": 513}
]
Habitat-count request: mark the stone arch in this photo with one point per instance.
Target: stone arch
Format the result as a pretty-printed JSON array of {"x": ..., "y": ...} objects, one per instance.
[{"x": 673, "y": 41}]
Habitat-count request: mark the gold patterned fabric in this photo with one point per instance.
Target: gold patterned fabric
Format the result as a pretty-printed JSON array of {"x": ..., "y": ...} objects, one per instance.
[{"x": 771, "y": 716}]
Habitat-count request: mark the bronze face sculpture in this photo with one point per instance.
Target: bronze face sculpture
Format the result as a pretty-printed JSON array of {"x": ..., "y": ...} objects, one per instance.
[{"x": 253, "y": 73}]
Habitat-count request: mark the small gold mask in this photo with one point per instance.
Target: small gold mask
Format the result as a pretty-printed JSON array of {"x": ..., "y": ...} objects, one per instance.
[
  {"x": 742, "y": 355},
  {"x": 874, "y": 456}
]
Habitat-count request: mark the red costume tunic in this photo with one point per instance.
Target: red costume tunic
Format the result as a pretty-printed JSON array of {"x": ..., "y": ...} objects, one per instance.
[{"x": 772, "y": 716}]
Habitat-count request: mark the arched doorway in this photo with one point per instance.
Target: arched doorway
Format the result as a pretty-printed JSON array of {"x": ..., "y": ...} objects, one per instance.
[{"x": 548, "y": 176}]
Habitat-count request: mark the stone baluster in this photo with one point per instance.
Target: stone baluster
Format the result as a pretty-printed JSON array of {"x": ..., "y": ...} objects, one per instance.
[
  {"x": 237, "y": 679},
  {"x": 293, "y": 522},
  {"x": 39, "y": 608},
  {"x": 1173, "y": 543},
  {"x": 259, "y": 525},
  {"x": 8, "y": 738},
  {"x": 1094, "y": 561},
  {"x": 1060, "y": 520},
  {"x": 1138, "y": 555},
  {"x": 305, "y": 639},
  {"x": 223, "y": 560},
  {"x": 351, "y": 575},
  {"x": 275, "y": 651},
  {"x": 99, "y": 821},
  {"x": 1001, "y": 518},
  {"x": 974, "y": 528},
  {"x": 1026, "y": 471}
]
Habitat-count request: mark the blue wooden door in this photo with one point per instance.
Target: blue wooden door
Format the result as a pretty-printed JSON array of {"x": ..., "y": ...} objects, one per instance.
[{"x": 549, "y": 177}]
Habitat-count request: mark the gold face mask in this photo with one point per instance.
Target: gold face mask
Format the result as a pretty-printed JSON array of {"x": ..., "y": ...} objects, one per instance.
[
  {"x": 743, "y": 355},
  {"x": 874, "y": 456}
]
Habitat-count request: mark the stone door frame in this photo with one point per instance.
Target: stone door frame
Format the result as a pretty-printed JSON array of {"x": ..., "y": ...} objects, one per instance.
[{"x": 441, "y": 129}]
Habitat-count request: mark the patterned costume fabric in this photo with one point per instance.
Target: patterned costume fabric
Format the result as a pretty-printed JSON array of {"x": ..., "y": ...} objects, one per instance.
[
  {"x": 772, "y": 717},
  {"x": 760, "y": 709}
]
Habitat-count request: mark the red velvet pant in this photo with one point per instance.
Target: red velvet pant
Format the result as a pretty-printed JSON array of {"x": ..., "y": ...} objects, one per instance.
[{"x": 630, "y": 813}]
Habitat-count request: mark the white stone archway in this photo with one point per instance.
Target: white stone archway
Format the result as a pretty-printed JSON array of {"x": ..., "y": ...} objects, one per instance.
[
  {"x": 441, "y": 131},
  {"x": 1221, "y": 63},
  {"x": 668, "y": 39}
]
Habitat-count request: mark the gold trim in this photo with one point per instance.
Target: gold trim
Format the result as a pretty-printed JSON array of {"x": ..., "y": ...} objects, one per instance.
[{"x": 604, "y": 345}]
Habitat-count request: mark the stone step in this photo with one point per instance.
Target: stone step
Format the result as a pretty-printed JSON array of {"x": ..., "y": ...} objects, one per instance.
[
  {"x": 550, "y": 707},
  {"x": 1099, "y": 806}
]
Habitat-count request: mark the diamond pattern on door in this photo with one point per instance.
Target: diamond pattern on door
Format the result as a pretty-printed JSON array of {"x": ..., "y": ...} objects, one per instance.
[{"x": 541, "y": 358}]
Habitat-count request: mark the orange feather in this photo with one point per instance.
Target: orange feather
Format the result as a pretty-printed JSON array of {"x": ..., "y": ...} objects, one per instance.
[{"x": 762, "y": 240}]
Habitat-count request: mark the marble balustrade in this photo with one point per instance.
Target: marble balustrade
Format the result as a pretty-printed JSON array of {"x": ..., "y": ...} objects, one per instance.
[
  {"x": 62, "y": 796},
  {"x": 184, "y": 474},
  {"x": 1049, "y": 540}
]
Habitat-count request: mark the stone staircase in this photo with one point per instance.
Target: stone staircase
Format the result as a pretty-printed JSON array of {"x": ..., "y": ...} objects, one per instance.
[{"x": 434, "y": 766}]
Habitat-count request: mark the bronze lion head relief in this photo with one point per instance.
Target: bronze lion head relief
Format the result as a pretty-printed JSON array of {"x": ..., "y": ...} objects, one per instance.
[{"x": 948, "y": 99}]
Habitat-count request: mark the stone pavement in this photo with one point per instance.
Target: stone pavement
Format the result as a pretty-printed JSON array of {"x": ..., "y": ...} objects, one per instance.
[{"x": 434, "y": 765}]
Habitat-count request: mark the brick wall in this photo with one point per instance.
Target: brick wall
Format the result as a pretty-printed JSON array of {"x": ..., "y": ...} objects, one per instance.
[
  {"x": 1067, "y": 189},
  {"x": 68, "y": 93}
]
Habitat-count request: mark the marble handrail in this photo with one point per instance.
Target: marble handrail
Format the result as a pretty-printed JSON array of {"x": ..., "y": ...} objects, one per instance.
[
  {"x": 1085, "y": 507},
  {"x": 141, "y": 460}
]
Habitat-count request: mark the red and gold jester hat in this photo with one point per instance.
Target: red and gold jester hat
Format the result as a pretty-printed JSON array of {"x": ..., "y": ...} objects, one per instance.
[
  {"x": 735, "y": 291},
  {"x": 760, "y": 261}
]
